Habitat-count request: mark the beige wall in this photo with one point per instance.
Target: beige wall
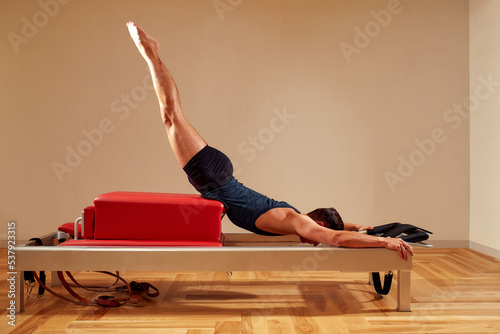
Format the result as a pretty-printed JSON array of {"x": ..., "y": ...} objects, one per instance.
[
  {"x": 350, "y": 102},
  {"x": 485, "y": 125}
]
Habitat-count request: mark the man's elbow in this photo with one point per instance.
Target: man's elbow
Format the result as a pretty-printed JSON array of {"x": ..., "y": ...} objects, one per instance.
[{"x": 339, "y": 240}]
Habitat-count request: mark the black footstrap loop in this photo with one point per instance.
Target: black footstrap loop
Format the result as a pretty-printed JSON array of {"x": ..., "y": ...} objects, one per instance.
[
  {"x": 29, "y": 277},
  {"x": 41, "y": 288},
  {"x": 382, "y": 290}
]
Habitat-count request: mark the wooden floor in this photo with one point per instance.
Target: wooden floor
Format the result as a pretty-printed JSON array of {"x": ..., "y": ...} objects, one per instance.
[{"x": 453, "y": 291}]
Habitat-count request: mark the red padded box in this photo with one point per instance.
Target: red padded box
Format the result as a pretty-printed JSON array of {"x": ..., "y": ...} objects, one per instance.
[
  {"x": 150, "y": 219},
  {"x": 157, "y": 216}
]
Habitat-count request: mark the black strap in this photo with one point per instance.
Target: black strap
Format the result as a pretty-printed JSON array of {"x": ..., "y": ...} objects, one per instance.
[
  {"x": 41, "y": 289},
  {"x": 378, "y": 284},
  {"x": 30, "y": 278}
]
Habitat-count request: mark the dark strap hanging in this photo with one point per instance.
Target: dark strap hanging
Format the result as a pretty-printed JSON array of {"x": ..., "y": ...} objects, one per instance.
[
  {"x": 382, "y": 290},
  {"x": 30, "y": 279}
]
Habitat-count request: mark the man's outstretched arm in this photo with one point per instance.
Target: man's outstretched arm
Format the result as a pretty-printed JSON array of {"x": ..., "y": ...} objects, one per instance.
[
  {"x": 309, "y": 229},
  {"x": 287, "y": 221}
]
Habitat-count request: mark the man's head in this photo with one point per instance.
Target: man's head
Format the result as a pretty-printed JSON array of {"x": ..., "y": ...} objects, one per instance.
[{"x": 329, "y": 217}]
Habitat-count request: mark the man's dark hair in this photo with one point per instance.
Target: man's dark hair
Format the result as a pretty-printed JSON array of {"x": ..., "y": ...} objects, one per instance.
[{"x": 329, "y": 217}]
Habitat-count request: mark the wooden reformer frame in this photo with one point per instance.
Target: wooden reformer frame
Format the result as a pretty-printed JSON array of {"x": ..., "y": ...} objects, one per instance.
[{"x": 241, "y": 252}]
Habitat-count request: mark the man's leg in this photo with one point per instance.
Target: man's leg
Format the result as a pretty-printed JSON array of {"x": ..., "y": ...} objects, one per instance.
[{"x": 184, "y": 139}]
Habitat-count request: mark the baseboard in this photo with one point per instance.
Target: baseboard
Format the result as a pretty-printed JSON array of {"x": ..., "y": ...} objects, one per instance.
[
  {"x": 485, "y": 249},
  {"x": 448, "y": 243}
]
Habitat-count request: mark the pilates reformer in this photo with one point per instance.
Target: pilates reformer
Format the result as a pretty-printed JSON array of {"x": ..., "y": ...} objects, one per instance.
[{"x": 127, "y": 231}]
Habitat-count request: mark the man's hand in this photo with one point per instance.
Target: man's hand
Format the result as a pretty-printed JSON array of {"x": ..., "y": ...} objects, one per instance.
[
  {"x": 400, "y": 246},
  {"x": 307, "y": 241},
  {"x": 364, "y": 228},
  {"x": 356, "y": 227}
]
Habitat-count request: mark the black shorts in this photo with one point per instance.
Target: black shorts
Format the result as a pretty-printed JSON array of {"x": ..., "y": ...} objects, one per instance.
[
  {"x": 211, "y": 172},
  {"x": 209, "y": 169}
]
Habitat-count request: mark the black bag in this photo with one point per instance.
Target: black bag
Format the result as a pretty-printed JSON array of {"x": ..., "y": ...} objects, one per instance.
[{"x": 407, "y": 232}]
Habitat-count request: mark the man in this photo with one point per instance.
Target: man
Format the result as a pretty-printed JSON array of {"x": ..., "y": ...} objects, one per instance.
[{"x": 211, "y": 173}]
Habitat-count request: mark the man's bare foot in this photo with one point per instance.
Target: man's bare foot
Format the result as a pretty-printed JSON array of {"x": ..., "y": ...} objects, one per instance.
[{"x": 147, "y": 45}]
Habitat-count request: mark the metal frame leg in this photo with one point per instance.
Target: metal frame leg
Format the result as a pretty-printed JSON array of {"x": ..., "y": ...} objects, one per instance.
[
  {"x": 54, "y": 279},
  {"x": 404, "y": 290},
  {"x": 19, "y": 294},
  {"x": 47, "y": 240}
]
